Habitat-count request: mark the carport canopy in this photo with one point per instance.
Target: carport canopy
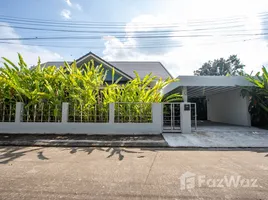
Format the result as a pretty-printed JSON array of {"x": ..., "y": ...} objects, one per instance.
[{"x": 197, "y": 86}]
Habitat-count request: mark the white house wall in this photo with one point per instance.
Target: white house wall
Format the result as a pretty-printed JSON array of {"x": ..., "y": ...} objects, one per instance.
[{"x": 228, "y": 107}]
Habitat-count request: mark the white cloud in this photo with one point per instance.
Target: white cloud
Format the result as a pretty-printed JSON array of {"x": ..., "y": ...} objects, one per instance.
[
  {"x": 69, "y": 3},
  {"x": 66, "y": 14},
  {"x": 29, "y": 53},
  {"x": 78, "y": 6},
  {"x": 183, "y": 55}
]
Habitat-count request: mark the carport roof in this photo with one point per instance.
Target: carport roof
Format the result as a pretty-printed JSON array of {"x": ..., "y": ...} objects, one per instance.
[{"x": 206, "y": 85}]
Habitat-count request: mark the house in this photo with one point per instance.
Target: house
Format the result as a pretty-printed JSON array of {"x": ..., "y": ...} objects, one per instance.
[
  {"x": 224, "y": 104},
  {"x": 221, "y": 94}
]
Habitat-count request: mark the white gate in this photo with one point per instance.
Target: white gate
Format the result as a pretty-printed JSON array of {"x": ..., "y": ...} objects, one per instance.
[
  {"x": 193, "y": 116},
  {"x": 171, "y": 117}
]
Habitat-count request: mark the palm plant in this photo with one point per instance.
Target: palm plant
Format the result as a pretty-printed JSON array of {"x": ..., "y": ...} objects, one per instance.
[
  {"x": 258, "y": 95},
  {"x": 43, "y": 88}
]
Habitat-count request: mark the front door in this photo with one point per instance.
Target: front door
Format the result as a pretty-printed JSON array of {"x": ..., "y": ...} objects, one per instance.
[{"x": 171, "y": 117}]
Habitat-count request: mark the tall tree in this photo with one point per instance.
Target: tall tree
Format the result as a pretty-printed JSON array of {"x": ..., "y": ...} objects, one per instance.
[{"x": 221, "y": 67}]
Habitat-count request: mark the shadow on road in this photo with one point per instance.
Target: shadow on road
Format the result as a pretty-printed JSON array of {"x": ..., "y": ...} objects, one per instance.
[
  {"x": 11, "y": 153},
  {"x": 111, "y": 150},
  {"x": 8, "y": 154},
  {"x": 119, "y": 151},
  {"x": 41, "y": 156}
]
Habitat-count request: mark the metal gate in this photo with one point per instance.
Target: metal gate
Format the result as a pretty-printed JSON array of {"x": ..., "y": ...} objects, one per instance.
[
  {"x": 193, "y": 117},
  {"x": 171, "y": 117}
]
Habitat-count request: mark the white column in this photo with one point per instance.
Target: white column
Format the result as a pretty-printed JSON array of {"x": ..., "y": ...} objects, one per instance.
[
  {"x": 185, "y": 117},
  {"x": 65, "y": 112},
  {"x": 184, "y": 94},
  {"x": 19, "y": 112},
  {"x": 157, "y": 114},
  {"x": 111, "y": 113}
]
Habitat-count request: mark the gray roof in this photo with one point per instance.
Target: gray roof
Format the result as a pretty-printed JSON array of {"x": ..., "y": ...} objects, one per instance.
[
  {"x": 128, "y": 67},
  {"x": 55, "y": 63},
  {"x": 143, "y": 68}
]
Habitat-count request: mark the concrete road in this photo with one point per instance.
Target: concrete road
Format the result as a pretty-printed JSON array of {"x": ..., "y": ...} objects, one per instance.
[{"x": 119, "y": 173}]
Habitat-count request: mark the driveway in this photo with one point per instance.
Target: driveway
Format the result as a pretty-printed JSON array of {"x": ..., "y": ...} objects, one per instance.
[
  {"x": 220, "y": 135},
  {"x": 119, "y": 173}
]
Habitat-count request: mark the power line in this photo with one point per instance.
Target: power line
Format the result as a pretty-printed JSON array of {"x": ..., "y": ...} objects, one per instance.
[
  {"x": 232, "y": 18},
  {"x": 91, "y": 47},
  {"x": 150, "y": 34},
  {"x": 154, "y": 46},
  {"x": 121, "y": 24},
  {"x": 112, "y": 32},
  {"x": 155, "y": 36},
  {"x": 97, "y": 37},
  {"x": 172, "y": 31},
  {"x": 140, "y": 36},
  {"x": 113, "y": 26}
]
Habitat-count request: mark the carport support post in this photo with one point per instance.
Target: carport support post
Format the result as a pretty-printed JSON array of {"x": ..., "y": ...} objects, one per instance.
[
  {"x": 184, "y": 94},
  {"x": 185, "y": 109}
]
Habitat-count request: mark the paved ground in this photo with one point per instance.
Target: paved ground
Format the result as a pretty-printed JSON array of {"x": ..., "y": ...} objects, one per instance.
[
  {"x": 115, "y": 173},
  {"x": 220, "y": 135}
]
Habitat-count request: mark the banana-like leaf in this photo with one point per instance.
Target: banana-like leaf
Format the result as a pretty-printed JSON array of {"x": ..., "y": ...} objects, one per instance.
[{"x": 84, "y": 85}]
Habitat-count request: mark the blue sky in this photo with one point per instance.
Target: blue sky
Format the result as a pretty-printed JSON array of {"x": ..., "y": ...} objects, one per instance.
[
  {"x": 91, "y": 10},
  {"x": 180, "y": 55}
]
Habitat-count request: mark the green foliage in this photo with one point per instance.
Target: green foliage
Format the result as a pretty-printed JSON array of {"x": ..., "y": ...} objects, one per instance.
[
  {"x": 84, "y": 87},
  {"x": 221, "y": 67},
  {"x": 258, "y": 95}
]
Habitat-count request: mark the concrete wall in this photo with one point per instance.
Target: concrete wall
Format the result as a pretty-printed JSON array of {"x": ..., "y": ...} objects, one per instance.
[
  {"x": 84, "y": 128},
  {"x": 228, "y": 107},
  {"x": 109, "y": 128},
  {"x": 81, "y": 128}
]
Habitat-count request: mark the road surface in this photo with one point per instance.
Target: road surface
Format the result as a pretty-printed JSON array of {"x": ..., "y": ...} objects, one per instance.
[{"x": 121, "y": 173}]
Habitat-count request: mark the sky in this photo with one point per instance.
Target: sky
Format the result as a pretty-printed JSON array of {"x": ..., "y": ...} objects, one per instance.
[{"x": 194, "y": 31}]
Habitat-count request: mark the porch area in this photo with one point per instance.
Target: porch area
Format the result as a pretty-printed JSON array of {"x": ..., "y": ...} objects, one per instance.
[{"x": 217, "y": 98}]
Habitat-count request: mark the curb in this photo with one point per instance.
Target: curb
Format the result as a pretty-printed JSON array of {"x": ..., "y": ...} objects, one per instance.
[{"x": 84, "y": 143}]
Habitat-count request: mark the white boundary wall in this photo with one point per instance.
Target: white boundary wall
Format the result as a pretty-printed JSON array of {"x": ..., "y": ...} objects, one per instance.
[
  {"x": 80, "y": 128},
  {"x": 228, "y": 107},
  {"x": 84, "y": 128}
]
